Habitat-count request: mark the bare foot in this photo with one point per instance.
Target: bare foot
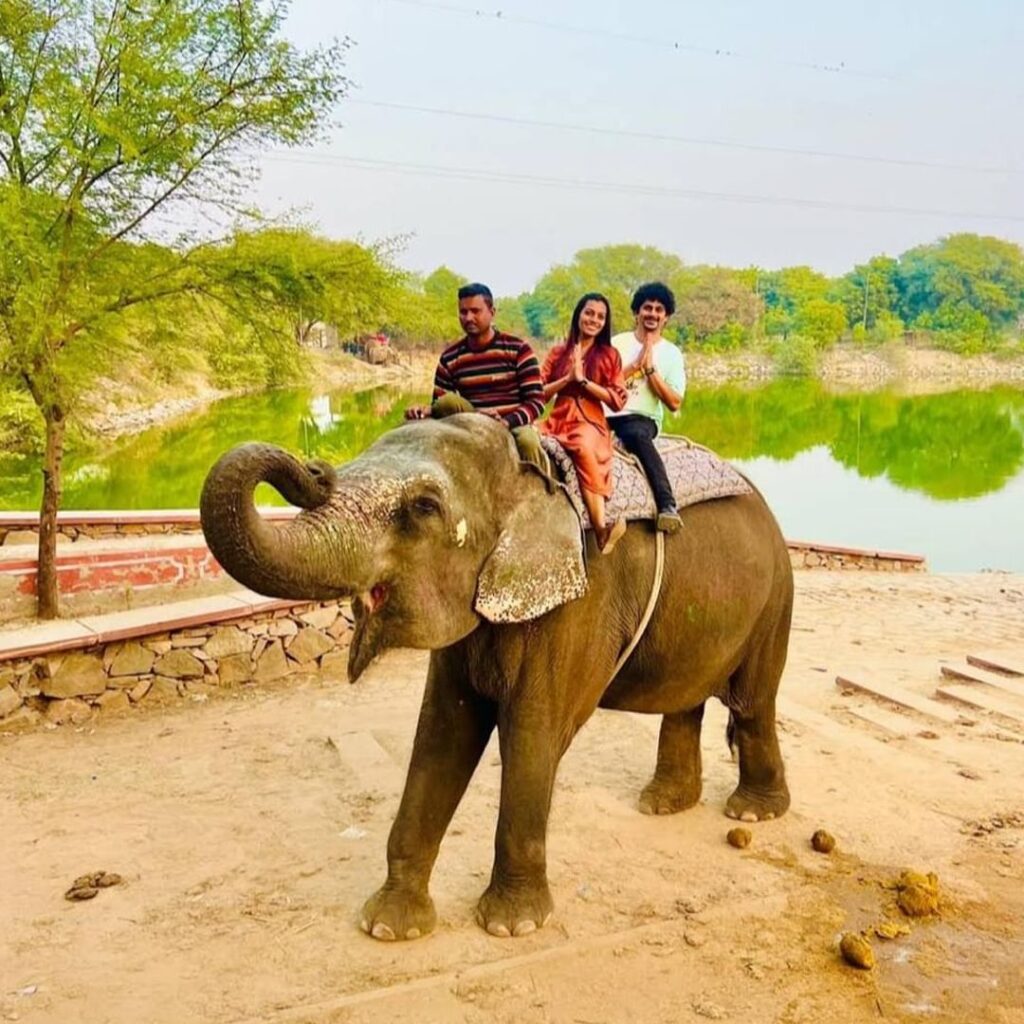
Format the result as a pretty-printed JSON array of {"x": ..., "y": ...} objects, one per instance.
[{"x": 663, "y": 797}]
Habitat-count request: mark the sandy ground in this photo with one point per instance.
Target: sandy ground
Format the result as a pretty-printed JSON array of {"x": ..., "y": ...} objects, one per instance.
[{"x": 250, "y": 828}]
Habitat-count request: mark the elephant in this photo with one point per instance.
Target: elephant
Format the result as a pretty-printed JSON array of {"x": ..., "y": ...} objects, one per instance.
[{"x": 445, "y": 541}]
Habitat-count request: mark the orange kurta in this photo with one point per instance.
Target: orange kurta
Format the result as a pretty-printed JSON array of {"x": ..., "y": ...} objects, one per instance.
[{"x": 577, "y": 419}]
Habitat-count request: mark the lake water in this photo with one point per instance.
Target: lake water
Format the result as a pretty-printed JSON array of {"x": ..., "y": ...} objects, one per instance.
[{"x": 938, "y": 475}]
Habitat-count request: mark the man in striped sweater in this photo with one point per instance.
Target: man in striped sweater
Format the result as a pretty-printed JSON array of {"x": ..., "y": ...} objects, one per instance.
[{"x": 489, "y": 372}]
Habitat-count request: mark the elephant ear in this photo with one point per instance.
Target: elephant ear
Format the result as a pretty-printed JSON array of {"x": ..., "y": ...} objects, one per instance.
[{"x": 537, "y": 563}]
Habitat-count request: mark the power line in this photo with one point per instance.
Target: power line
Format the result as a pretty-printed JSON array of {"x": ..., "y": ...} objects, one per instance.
[
  {"x": 579, "y": 184},
  {"x": 687, "y": 139},
  {"x": 658, "y": 41}
]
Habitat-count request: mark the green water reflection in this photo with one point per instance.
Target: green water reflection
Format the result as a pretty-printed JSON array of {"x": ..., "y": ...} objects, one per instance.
[
  {"x": 939, "y": 474},
  {"x": 961, "y": 444}
]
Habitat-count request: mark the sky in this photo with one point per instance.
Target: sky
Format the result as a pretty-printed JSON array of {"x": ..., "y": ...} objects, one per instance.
[{"x": 733, "y": 132}]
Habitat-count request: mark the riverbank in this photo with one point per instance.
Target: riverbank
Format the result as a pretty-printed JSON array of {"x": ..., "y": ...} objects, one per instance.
[
  {"x": 907, "y": 370},
  {"x": 845, "y": 367}
]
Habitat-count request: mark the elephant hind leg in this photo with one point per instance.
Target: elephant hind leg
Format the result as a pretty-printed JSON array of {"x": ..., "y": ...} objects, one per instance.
[
  {"x": 677, "y": 778},
  {"x": 762, "y": 792}
]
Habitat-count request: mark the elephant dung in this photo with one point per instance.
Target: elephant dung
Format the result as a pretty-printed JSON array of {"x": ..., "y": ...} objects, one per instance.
[
  {"x": 918, "y": 894},
  {"x": 823, "y": 842},
  {"x": 857, "y": 951},
  {"x": 739, "y": 837}
]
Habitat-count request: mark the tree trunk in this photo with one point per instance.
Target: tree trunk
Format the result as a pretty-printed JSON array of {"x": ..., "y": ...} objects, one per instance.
[{"x": 47, "y": 594}]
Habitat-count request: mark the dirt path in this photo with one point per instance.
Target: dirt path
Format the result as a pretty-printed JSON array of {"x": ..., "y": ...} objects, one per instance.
[{"x": 249, "y": 830}]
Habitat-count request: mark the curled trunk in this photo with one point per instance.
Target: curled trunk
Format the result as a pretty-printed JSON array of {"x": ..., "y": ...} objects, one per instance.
[{"x": 301, "y": 559}]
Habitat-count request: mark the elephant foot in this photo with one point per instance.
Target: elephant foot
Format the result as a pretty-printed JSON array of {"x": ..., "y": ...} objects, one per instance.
[
  {"x": 506, "y": 914},
  {"x": 390, "y": 915},
  {"x": 751, "y": 805},
  {"x": 664, "y": 797}
]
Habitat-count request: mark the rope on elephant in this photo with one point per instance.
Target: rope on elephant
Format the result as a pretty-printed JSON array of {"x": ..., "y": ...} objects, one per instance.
[{"x": 652, "y": 602}]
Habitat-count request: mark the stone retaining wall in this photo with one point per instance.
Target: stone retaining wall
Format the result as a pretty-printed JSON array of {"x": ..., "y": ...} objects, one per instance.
[
  {"x": 823, "y": 556},
  {"x": 189, "y": 662}
]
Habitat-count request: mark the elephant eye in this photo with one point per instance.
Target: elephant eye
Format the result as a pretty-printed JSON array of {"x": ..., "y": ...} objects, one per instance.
[{"x": 425, "y": 505}]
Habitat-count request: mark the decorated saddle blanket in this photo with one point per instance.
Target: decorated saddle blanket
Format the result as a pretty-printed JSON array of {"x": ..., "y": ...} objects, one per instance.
[{"x": 695, "y": 474}]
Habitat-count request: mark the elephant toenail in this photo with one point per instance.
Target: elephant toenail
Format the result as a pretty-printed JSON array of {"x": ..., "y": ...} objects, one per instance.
[
  {"x": 748, "y": 816},
  {"x": 769, "y": 816},
  {"x": 524, "y": 928},
  {"x": 498, "y": 929},
  {"x": 365, "y": 925},
  {"x": 730, "y": 813},
  {"x": 383, "y": 932},
  {"x": 412, "y": 933}
]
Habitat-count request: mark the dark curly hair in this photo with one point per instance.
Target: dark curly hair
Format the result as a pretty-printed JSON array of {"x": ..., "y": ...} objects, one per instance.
[{"x": 654, "y": 291}]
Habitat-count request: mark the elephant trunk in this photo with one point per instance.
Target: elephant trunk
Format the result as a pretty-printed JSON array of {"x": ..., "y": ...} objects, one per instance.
[{"x": 298, "y": 560}]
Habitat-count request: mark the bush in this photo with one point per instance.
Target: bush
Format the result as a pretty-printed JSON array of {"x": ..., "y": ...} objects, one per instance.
[{"x": 796, "y": 356}]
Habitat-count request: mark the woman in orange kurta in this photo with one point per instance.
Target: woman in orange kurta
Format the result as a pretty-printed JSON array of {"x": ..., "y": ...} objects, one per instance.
[{"x": 584, "y": 373}]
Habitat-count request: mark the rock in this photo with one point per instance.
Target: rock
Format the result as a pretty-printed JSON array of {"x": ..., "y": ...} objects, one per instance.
[
  {"x": 158, "y": 646},
  {"x": 181, "y": 641},
  {"x": 309, "y": 644},
  {"x": 283, "y": 627},
  {"x": 179, "y": 664},
  {"x": 79, "y": 675},
  {"x": 21, "y": 537},
  {"x": 9, "y": 700},
  {"x": 139, "y": 690},
  {"x": 7, "y": 675},
  {"x": 228, "y": 641},
  {"x": 235, "y": 668},
  {"x": 21, "y": 720},
  {"x": 272, "y": 664},
  {"x": 739, "y": 837},
  {"x": 334, "y": 665},
  {"x": 112, "y": 700},
  {"x": 857, "y": 951},
  {"x": 823, "y": 842},
  {"x": 163, "y": 689},
  {"x": 340, "y": 627},
  {"x": 132, "y": 659},
  {"x": 70, "y": 710},
  {"x": 321, "y": 618}
]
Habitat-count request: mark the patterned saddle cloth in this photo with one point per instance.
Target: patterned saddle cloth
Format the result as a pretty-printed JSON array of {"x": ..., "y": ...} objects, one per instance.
[{"x": 695, "y": 474}]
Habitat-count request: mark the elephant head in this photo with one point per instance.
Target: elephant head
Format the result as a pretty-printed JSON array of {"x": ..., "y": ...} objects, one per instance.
[{"x": 436, "y": 526}]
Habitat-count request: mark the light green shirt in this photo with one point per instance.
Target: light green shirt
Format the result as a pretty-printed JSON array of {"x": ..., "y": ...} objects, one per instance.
[{"x": 641, "y": 397}]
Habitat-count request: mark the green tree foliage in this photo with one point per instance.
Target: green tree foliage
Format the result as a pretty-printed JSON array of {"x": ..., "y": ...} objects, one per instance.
[
  {"x": 304, "y": 279},
  {"x": 821, "y": 321},
  {"x": 614, "y": 270},
  {"x": 717, "y": 308},
  {"x": 869, "y": 294},
  {"x": 962, "y": 271},
  {"x": 112, "y": 116}
]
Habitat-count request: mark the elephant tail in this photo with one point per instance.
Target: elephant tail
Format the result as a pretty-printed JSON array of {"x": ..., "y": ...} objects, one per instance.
[{"x": 730, "y": 735}]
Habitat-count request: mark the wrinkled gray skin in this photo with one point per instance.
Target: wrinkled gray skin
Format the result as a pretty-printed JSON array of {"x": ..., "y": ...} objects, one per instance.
[{"x": 438, "y": 523}]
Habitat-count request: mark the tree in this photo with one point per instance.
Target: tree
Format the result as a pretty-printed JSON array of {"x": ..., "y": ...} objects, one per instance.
[
  {"x": 983, "y": 273},
  {"x": 614, "y": 270},
  {"x": 821, "y": 321},
  {"x": 113, "y": 115},
  {"x": 718, "y": 306},
  {"x": 869, "y": 293},
  {"x": 307, "y": 278}
]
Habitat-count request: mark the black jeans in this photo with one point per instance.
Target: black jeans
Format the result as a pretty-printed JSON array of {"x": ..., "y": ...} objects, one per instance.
[{"x": 637, "y": 433}]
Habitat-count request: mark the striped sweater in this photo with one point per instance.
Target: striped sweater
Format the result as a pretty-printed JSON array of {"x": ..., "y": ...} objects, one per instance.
[{"x": 503, "y": 376}]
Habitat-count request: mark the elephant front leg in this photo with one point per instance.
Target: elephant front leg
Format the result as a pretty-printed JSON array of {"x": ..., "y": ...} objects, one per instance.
[
  {"x": 518, "y": 900},
  {"x": 454, "y": 726},
  {"x": 677, "y": 778}
]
